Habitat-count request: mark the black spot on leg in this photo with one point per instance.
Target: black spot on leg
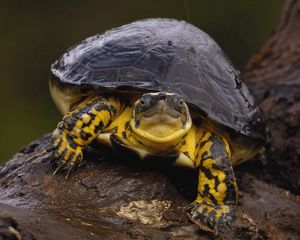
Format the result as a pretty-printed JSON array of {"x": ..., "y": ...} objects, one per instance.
[
  {"x": 102, "y": 107},
  {"x": 112, "y": 109},
  {"x": 127, "y": 125},
  {"x": 97, "y": 129},
  {"x": 205, "y": 156},
  {"x": 217, "y": 182},
  {"x": 89, "y": 122},
  {"x": 68, "y": 120},
  {"x": 70, "y": 137},
  {"x": 206, "y": 191},
  {"x": 137, "y": 123},
  {"x": 231, "y": 193},
  {"x": 101, "y": 125},
  {"x": 212, "y": 198},
  {"x": 203, "y": 143},
  {"x": 207, "y": 194},
  {"x": 77, "y": 115},
  {"x": 124, "y": 135},
  {"x": 206, "y": 172},
  {"x": 62, "y": 156},
  {"x": 85, "y": 136},
  {"x": 72, "y": 144},
  {"x": 186, "y": 154},
  {"x": 71, "y": 156},
  {"x": 58, "y": 147},
  {"x": 217, "y": 166},
  {"x": 69, "y": 123},
  {"x": 85, "y": 109}
]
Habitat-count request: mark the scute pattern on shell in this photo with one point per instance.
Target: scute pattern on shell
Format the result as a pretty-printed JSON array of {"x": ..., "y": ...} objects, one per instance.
[{"x": 165, "y": 55}]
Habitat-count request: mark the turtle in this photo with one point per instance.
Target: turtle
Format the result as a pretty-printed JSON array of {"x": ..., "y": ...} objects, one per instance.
[{"x": 159, "y": 87}]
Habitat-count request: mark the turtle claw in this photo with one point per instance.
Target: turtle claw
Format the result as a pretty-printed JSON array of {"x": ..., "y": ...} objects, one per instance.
[
  {"x": 71, "y": 166},
  {"x": 228, "y": 224},
  {"x": 210, "y": 217},
  {"x": 58, "y": 169},
  {"x": 68, "y": 166},
  {"x": 189, "y": 207},
  {"x": 67, "y": 154}
]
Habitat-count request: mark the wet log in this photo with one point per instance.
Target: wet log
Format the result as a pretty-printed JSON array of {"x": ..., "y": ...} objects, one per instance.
[
  {"x": 109, "y": 200},
  {"x": 273, "y": 75}
]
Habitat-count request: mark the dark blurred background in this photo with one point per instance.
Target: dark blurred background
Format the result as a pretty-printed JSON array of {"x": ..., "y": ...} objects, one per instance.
[{"x": 35, "y": 33}]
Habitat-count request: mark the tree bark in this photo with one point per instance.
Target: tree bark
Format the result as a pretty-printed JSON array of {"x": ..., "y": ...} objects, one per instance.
[
  {"x": 107, "y": 199},
  {"x": 273, "y": 75}
]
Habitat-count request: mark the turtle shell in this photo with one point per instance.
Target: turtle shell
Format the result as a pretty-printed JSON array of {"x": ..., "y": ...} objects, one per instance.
[{"x": 165, "y": 55}]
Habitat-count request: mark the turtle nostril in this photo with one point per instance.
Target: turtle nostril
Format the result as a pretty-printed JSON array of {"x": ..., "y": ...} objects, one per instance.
[{"x": 163, "y": 98}]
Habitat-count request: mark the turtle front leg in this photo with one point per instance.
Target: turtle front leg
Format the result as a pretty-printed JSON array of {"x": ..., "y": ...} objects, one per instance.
[
  {"x": 79, "y": 128},
  {"x": 217, "y": 189}
]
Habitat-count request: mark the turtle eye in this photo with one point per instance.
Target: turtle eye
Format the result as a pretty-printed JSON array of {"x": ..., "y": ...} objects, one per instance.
[
  {"x": 178, "y": 104},
  {"x": 145, "y": 102}
]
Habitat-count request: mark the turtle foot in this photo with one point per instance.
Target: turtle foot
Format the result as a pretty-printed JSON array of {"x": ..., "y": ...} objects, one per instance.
[
  {"x": 210, "y": 217},
  {"x": 67, "y": 154}
]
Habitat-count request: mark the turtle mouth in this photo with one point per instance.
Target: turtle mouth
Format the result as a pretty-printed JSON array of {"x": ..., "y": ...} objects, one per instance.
[
  {"x": 162, "y": 111},
  {"x": 161, "y": 116}
]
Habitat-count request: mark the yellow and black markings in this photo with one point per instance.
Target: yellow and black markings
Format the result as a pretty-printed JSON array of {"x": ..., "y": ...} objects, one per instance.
[
  {"x": 79, "y": 127},
  {"x": 210, "y": 153},
  {"x": 217, "y": 189}
]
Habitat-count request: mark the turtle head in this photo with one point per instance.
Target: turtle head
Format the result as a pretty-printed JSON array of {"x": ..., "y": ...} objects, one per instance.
[{"x": 161, "y": 117}]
